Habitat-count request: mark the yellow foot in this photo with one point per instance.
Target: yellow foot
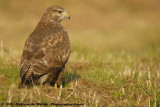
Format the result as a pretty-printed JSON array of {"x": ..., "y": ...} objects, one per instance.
[{"x": 55, "y": 86}]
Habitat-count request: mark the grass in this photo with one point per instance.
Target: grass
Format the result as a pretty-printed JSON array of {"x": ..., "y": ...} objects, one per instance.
[
  {"x": 115, "y": 58},
  {"x": 116, "y": 78}
]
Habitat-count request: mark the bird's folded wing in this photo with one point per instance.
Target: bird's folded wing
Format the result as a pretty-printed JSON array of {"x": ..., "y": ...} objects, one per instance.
[{"x": 50, "y": 51}]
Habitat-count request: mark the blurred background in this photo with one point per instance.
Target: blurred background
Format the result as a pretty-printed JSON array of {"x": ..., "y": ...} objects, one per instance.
[
  {"x": 98, "y": 25},
  {"x": 115, "y": 44}
]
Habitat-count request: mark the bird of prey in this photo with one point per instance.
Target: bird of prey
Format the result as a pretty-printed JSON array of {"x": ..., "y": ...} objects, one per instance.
[{"x": 46, "y": 50}]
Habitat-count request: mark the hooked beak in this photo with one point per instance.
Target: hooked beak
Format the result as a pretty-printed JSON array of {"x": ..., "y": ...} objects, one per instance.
[{"x": 67, "y": 16}]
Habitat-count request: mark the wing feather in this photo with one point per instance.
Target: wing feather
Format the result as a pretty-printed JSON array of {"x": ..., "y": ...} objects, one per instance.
[{"x": 46, "y": 52}]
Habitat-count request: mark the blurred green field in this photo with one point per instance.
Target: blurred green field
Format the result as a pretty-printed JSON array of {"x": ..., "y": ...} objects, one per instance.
[{"x": 115, "y": 58}]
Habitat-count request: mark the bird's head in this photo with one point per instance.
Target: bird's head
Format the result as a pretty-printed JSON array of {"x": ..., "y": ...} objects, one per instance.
[{"x": 56, "y": 13}]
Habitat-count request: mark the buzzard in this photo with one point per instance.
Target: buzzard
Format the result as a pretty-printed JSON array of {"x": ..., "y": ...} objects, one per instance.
[{"x": 46, "y": 50}]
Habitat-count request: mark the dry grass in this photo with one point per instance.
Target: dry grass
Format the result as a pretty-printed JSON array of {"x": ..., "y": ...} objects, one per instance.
[{"x": 115, "y": 59}]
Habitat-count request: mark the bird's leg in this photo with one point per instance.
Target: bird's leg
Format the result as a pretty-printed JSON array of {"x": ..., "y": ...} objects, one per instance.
[
  {"x": 55, "y": 86},
  {"x": 59, "y": 80}
]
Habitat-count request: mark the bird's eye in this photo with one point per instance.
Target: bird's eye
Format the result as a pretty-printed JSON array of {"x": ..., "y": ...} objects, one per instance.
[{"x": 60, "y": 12}]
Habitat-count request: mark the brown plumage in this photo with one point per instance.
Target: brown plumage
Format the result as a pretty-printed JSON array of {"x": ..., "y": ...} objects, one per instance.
[{"x": 46, "y": 50}]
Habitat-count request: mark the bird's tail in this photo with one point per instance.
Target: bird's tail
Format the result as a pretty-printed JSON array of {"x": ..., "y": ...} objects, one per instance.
[{"x": 26, "y": 79}]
